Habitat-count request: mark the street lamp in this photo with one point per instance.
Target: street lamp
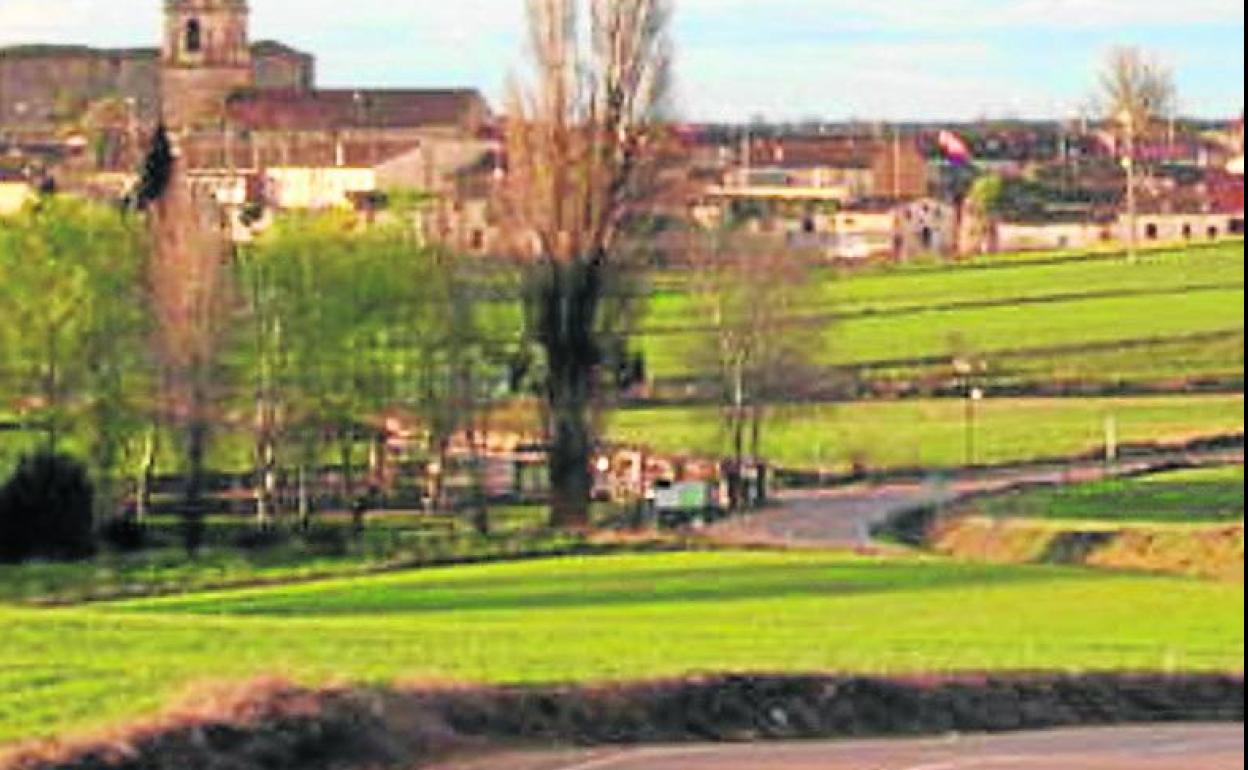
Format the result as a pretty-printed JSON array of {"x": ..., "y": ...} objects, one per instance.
[
  {"x": 973, "y": 397},
  {"x": 966, "y": 368}
]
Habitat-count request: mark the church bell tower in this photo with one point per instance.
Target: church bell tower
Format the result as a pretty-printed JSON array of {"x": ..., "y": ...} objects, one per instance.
[{"x": 205, "y": 57}]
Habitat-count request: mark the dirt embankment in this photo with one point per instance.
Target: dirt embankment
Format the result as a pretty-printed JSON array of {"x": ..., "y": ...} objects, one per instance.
[
  {"x": 276, "y": 726},
  {"x": 1215, "y": 551}
]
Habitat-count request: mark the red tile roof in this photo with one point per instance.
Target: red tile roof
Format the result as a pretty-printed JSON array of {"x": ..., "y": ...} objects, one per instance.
[{"x": 811, "y": 152}]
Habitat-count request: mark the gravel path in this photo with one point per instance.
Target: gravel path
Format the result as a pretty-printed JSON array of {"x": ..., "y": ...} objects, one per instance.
[{"x": 842, "y": 517}]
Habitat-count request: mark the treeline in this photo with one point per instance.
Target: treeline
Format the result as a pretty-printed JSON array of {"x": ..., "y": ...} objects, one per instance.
[{"x": 135, "y": 351}]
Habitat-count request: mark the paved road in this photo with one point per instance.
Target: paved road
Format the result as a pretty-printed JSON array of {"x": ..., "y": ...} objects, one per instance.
[
  {"x": 1171, "y": 747},
  {"x": 842, "y": 517}
]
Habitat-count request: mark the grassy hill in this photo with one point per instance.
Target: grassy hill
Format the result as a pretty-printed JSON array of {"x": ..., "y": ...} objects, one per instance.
[
  {"x": 933, "y": 433},
  {"x": 1057, "y": 310},
  {"x": 1201, "y": 495}
]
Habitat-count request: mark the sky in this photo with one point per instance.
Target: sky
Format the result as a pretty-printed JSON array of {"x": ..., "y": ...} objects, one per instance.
[{"x": 737, "y": 59}]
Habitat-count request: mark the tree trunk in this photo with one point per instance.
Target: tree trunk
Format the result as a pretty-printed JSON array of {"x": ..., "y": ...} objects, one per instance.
[
  {"x": 193, "y": 505},
  {"x": 756, "y": 439},
  {"x": 143, "y": 493},
  {"x": 564, "y": 300},
  {"x": 481, "y": 515},
  {"x": 346, "y": 442},
  {"x": 304, "y": 506},
  {"x": 266, "y": 473},
  {"x": 439, "y": 479},
  {"x": 197, "y": 433},
  {"x": 571, "y": 482}
]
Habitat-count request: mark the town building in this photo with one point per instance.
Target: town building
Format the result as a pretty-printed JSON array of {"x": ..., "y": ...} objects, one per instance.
[
  {"x": 15, "y": 191},
  {"x": 250, "y": 126}
]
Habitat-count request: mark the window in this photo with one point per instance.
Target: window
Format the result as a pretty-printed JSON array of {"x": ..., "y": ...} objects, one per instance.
[
  {"x": 1150, "y": 231},
  {"x": 194, "y": 36}
]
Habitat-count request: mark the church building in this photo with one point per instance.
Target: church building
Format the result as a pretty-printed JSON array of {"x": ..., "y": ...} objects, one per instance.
[{"x": 247, "y": 117}]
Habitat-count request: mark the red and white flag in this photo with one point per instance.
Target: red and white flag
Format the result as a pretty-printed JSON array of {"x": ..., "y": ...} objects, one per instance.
[
  {"x": 1107, "y": 141},
  {"x": 954, "y": 147}
]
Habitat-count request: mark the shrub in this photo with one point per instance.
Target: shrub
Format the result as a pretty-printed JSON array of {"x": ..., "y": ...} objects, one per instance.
[
  {"x": 45, "y": 510},
  {"x": 261, "y": 539},
  {"x": 327, "y": 540},
  {"x": 123, "y": 534}
]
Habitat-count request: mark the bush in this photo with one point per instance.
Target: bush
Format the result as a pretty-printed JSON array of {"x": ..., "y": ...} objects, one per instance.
[
  {"x": 327, "y": 540},
  {"x": 45, "y": 510},
  {"x": 123, "y": 534},
  {"x": 261, "y": 539}
]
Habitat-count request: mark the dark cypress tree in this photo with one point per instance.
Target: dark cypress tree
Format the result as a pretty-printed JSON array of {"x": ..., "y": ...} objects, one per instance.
[{"x": 157, "y": 170}]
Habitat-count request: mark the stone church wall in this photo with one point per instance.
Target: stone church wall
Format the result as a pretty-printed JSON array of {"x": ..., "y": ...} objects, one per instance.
[{"x": 43, "y": 86}]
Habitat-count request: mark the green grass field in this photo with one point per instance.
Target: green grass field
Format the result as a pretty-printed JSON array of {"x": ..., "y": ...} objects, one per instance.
[
  {"x": 913, "y": 314},
  {"x": 389, "y": 539},
  {"x": 932, "y": 433},
  {"x": 611, "y": 618},
  {"x": 1195, "y": 496},
  {"x": 901, "y": 289}
]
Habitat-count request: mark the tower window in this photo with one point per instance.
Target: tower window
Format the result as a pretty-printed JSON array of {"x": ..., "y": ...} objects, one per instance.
[{"x": 194, "y": 36}]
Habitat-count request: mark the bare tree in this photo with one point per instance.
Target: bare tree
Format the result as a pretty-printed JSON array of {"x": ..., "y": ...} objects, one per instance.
[
  {"x": 581, "y": 154},
  {"x": 765, "y": 339},
  {"x": 1135, "y": 91},
  {"x": 981, "y": 213},
  {"x": 188, "y": 289}
]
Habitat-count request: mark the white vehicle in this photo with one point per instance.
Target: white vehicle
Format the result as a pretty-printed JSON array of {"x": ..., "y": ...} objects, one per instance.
[{"x": 683, "y": 496}]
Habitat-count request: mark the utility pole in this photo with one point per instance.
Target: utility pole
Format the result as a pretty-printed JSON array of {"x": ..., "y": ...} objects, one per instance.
[{"x": 896, "y": 163}]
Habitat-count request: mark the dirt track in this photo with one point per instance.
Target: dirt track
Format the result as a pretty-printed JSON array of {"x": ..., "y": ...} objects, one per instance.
[
  {"x": 1182, "y": 747},
  {"x": 842, "y": 516}
]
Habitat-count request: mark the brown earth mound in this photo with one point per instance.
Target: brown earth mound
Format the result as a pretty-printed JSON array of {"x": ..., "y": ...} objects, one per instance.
[
  {"x": 1214, "y": 551},
  {"x": 276, "y": 726}
]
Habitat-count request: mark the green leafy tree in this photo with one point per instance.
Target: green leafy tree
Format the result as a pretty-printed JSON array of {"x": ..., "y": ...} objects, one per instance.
[
  {"x": 72, "y": 345},
  {"x": 350, "y": 322}
]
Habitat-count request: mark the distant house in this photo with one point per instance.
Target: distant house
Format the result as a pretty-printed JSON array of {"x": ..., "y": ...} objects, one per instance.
[
  {"x": 839, "y": 167},
  {"x": 15, "y": 192},
  {"x": 875, "y": 228},
  {"x": 1150, "y": 228}
]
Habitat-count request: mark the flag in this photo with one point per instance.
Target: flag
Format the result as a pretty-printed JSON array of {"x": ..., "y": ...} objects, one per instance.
[
  {"x": 954, "y": 147},
  {"x": 1107, "y": 141}
]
